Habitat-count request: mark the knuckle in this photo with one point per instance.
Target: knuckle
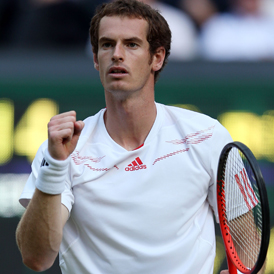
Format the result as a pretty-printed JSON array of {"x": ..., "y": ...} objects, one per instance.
[
  {"x": 52, "y": 135},
  {"x": 69, "y": 131}
]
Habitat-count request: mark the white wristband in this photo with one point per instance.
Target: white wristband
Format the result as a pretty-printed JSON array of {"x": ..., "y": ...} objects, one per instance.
[{"x": 51, "y": 175}]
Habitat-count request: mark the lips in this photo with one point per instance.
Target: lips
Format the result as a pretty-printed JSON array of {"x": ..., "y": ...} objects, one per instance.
[{"x": 117, "y": 70}]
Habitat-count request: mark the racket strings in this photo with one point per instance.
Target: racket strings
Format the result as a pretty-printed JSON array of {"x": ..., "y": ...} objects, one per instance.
[
  {"x": 243, "y": 207},
  {"x": 246, "y": 251},
  {"x": 245, "y": 240}
]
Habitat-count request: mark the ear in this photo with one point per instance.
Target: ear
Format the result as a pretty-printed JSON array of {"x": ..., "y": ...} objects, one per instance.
[
  {"x": 95, "y": 61},
  {"x": 158, "y": 59}
]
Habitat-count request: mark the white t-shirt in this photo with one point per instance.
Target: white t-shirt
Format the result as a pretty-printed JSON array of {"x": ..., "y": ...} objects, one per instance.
[{"x": 143, "y": 211}]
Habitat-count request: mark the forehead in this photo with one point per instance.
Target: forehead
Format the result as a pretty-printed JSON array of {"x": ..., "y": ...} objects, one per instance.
[{"x": 112, "y": 26}]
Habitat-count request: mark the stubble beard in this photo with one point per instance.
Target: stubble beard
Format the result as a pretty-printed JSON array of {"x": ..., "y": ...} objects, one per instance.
[{"x": 120, "y": 94}]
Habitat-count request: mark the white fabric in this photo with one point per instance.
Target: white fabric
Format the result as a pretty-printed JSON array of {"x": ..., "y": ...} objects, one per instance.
[
  {"x": 230, "y": 37},
  {"x": 153, "y": 219},
  {"x": 52, "y": 175}
]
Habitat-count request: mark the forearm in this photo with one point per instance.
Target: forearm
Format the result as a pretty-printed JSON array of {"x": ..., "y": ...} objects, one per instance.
[{"x": 39, "y": 232}]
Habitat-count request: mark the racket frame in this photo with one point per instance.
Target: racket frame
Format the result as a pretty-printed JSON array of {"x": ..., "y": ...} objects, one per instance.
[{"x": 232, "y": 257}]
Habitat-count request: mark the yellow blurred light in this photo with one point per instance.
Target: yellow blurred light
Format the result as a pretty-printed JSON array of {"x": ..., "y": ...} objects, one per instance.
[
  {"x": 270, "y": 262},
  {"x": 248, "y": 128},
  {"x": 6, "y": 130},
  {"x": 31, "y": 130},
  {"x": 220, "y": 254},
  {"x": 268, "y": 135}
]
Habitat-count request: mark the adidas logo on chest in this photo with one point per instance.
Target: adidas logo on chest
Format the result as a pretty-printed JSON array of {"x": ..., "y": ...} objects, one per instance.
[{"x": 137, "y": 164}]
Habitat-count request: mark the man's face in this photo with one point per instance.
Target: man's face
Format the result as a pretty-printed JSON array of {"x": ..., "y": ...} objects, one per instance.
[{"x": 123, "y": 58}]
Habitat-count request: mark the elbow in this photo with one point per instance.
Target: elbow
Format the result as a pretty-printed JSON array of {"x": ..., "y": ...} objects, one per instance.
[
  {"x": 37, "y": 265},
  {"x": 32, "y": 261},
  {"x": 35, "y": 260}
]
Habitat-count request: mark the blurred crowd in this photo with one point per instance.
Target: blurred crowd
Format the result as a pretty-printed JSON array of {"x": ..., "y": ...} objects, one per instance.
[{"x": 218, "y": 30}]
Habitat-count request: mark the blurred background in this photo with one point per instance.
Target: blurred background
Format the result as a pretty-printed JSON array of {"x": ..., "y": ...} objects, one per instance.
[{"x": 221, "y": 65}]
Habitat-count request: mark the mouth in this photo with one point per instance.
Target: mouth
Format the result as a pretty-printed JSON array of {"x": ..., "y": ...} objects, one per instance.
[{"x": 117, "y": 71}]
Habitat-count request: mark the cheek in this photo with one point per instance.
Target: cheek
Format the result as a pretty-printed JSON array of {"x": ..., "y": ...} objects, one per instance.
[
  {"x": 101, "y": 66},
  {"x": 102, "y": 74},
  {"x": 144, "y": 65},
  {"x": 101, "y": 58}
]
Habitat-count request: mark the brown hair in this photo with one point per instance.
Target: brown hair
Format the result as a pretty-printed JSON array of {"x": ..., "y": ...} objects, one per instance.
[{"x": 159, "y": 34}]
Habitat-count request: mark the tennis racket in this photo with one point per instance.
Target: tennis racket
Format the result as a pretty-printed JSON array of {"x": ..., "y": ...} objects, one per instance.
[{"x": 243, "y": 209}]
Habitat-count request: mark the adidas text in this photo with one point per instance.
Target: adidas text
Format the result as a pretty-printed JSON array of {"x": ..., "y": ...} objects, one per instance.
[{"x": 132, "y": 168}]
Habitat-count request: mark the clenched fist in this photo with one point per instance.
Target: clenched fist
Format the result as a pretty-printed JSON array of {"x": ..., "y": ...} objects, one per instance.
[{"x": 63, "y": 134}]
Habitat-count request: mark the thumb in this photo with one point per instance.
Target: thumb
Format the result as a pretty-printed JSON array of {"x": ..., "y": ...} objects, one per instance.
[{"x": 78, "y": 126}]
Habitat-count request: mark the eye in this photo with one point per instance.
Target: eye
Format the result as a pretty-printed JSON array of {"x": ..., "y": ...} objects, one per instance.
[
  {"x": 132, "y": 45},
  {"x": 106, "y": 45}
]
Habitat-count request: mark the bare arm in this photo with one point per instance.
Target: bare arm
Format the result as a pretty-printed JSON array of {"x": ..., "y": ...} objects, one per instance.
[{"x": 40, "y": 230}]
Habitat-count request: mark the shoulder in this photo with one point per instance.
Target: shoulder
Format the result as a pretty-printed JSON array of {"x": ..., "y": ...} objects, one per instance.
[
  {"x": 186, "y": 116},
  {"x": 93, "y": 127},
  {"x": 92, "y": 123},
  {"x": 192, "y": 123}
]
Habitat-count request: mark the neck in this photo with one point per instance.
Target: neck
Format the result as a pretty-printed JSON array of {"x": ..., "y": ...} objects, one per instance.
[{"x": 129, "y": 121}]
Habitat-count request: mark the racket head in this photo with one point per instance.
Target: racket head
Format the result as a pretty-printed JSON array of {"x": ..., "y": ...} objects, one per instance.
[{"x": 238, "y": 170}]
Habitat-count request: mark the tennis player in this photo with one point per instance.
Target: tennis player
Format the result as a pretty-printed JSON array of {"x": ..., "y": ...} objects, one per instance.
[{"x": 131, "y": 189}]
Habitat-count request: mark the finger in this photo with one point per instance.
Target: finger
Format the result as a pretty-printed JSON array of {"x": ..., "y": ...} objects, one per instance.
[
  {"x": 66, "y": 130},
  {"x": 71, "y": 113},
  {"x": 78, "y": 127},
  {"x": 224, "y": 272},
  {"x": 59, "y": 136},
  {"x": 61, "y": 126},
  {"x": 55, "y": 121}
]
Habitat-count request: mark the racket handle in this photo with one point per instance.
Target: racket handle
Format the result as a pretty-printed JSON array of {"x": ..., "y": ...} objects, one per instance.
[{"x": 231, "y": 267}]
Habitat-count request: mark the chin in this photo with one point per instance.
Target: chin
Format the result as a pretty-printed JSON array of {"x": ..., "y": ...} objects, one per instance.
[
  {"x": 117, "y": 87},
  {"x": 120, "y": 93}
]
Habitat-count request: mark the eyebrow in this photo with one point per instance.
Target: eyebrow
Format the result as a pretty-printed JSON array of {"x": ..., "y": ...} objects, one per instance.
[
  {"x": 105, "y": 39},
  {"x": 134, "y": 39},
  {"x": 130, "y": 39}
]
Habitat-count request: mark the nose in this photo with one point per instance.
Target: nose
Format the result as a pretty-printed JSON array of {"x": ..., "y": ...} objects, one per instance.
[{"x": 118, "y": 53}]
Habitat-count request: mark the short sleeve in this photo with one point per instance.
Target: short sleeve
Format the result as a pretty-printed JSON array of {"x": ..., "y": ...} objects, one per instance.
[{"x": 220, "y": 138}]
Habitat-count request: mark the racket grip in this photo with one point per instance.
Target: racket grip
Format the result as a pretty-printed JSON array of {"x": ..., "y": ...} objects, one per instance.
[{"x": 231, "y": 267}]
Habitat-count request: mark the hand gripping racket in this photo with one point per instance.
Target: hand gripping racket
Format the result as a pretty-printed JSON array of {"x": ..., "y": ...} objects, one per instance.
[{"x": 243, "y": 209}]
